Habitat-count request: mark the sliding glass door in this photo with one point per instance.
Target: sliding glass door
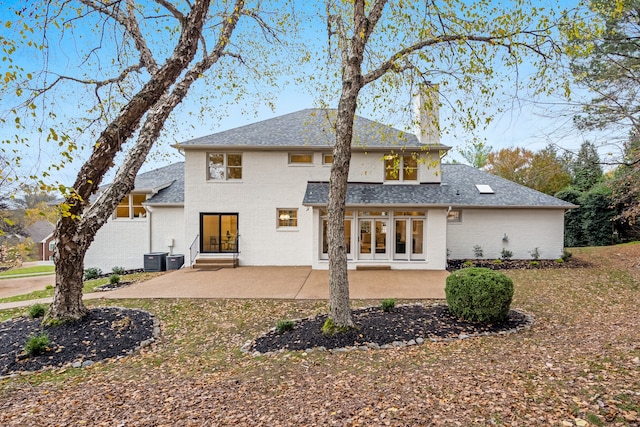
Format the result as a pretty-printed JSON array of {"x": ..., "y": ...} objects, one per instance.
[{"x": 218, "y": 233}]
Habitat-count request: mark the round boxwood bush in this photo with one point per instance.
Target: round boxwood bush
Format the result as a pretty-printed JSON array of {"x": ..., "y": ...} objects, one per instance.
[{"x": 479, "y": 294}]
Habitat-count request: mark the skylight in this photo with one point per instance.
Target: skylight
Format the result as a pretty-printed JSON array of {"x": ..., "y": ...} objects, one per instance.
[{"x": 484, "y": 189}]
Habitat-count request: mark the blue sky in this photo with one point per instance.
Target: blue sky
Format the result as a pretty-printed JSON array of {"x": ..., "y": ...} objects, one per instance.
[{"x": 521, "y": 124}]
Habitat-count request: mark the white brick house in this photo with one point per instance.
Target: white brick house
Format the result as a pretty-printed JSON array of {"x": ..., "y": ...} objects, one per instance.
[{"x": 258, "y": 194}]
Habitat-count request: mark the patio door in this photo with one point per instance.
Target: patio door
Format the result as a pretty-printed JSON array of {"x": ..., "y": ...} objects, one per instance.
[
  {"x": 409, "y": 239},
  {"x": 218, "y": 233},
  {"x": 372, "y": 237}
]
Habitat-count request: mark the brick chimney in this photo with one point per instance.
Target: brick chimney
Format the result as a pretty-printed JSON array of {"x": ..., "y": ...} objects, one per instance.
[{"x": 426, "y": 107}]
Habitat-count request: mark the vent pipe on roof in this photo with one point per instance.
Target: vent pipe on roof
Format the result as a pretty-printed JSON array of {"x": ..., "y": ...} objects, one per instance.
[{"x": 426, "y": 110}]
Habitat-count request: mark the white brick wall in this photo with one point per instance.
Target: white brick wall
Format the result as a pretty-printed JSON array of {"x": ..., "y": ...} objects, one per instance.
[
  {"x": 119, "y": 243},
  {"x": 526, "y": 229}
]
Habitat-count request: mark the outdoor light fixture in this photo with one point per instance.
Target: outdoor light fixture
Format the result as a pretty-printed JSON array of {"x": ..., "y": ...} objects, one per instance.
[{"x": 505, "y": 238}]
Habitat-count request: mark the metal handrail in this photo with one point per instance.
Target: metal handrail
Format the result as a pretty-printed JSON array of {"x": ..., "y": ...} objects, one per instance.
[{"x": 193, "y": 249}]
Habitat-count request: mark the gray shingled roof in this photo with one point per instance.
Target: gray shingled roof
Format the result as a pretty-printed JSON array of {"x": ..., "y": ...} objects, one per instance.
[
  {"x": 40, "y": 230},
  {"x": 310, "y": 127},
  {"x": 171, "y": 181},
  {"x": 458, "y": 189}
]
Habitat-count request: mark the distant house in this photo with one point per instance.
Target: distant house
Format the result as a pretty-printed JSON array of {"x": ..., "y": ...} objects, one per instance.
[
  {"x": 41, "y": 233},
  {"x": 257, "y": 195}
]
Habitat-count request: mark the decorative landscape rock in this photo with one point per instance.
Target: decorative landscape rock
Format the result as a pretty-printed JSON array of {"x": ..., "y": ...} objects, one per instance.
[
  {"x": 411, "y": 324},
  {"x": 106, "y": 332}
]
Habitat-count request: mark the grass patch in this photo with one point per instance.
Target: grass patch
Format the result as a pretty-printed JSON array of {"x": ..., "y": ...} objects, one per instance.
[
  {"x": 89, "y": 286},
  {"x": 28, "y": 271}
]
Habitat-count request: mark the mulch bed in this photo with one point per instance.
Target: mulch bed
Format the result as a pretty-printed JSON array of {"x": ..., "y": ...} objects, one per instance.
[
  {"x": 403, "y": 324},
  {"x": 104, "y": 333},
  {"x": 516, "y": 264}
]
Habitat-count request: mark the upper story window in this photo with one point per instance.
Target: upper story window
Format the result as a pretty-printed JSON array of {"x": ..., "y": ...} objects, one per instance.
[
  {"x": 401, "y": 167},
  {"x": 300, "y": 159},
  {"x": 327, "y": 158},
  {"x": 224, "y": 166},
  {"x": 131, "y": 207}
]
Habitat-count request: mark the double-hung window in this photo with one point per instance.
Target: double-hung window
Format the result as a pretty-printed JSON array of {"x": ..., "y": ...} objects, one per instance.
[
  {"x": 131, "y": 207},
  {"x": 401, "y": 167},
  {"x": 287, "y": 218},
  {"x": 224, "y": 166}
]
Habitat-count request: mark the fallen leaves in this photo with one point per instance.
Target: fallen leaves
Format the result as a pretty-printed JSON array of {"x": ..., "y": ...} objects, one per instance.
[{"x": 578, "y": 364}]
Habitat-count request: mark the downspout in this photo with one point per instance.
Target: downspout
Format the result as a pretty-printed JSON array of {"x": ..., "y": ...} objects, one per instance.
[{"x": 149, "y": 210}]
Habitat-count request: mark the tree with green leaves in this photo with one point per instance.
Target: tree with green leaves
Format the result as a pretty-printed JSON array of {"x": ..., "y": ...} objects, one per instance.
[
  {"x": 126, "y": 65},
  {"x": 602, "y": 44},
  {"x": 573, "y": 231},
  {"x": 542, "y": 170},
  {"x": 586, "y": 168},
  {"x": 476, "y": 153},
  {"x": 597, "y": 216},
  {"x": 384, "y": 44},
  {"x": 625, "y": 191}
]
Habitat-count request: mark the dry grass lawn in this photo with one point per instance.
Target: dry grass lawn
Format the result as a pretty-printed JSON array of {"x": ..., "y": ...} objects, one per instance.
[{"x": 578, "y": 365}]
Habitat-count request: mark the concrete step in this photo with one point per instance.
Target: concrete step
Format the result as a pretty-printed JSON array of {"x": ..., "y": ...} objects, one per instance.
[
  {"x": 373, "y": 267},
  {"x": 215, "y": 263}
]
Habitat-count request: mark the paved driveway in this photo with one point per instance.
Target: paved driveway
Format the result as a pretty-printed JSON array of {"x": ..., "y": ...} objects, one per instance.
[{"x": 24, "y": 285}]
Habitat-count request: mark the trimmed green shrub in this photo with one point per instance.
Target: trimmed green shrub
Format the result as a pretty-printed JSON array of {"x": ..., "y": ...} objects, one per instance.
[
  {"x": 118, "y": 270},
  {"x": 479, "y": 294},
  {"x": 92, "y": 273},
  {"x": 388, "y": 304},
  {"x": 37, "y": 310},
  {"x": 114, "y": 279},
  {"x": 37, "y": 344},
  {"x": 284, "y": 326}
]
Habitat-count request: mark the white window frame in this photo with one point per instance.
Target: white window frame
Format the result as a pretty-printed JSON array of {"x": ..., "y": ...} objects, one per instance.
[
  {"x": 222, "y": 173},
  {"x": 300, "y": 163},
  {"x": 401, "y": 167},
  {"x": 284, "y": 218},
  {"x": 132, "y": 208}
]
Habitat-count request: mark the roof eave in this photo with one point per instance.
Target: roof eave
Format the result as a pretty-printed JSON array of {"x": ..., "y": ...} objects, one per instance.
[
  {"x": 441, "y": 205},
  {"x": 307, "y": 147}
]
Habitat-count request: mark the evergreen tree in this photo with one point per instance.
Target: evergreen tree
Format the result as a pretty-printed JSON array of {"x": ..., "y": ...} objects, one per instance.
[
  {"x": 573, "y": 234},
  {"x": 597, "y": 216},
  {"x": 586, "y": 168}
]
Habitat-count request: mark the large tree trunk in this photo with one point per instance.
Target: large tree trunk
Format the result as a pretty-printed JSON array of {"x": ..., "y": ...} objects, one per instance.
[
  {"x": 340, "y": 309},
  {"x": 76, "y": 229},
  {"x": 69, "y": 260}
]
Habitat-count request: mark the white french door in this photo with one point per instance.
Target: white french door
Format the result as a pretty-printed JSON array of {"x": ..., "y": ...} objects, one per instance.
[
  {"x": 409, "y": 239},
  {"x": 372, "y": 239}
]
